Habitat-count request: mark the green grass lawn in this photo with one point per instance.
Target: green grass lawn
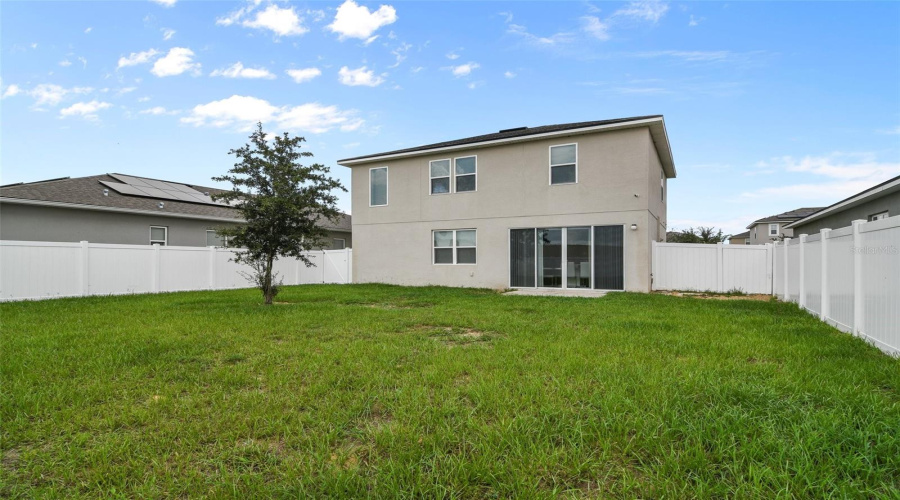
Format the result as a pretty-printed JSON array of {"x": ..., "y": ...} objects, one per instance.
[{"x": 381, "y": 391}]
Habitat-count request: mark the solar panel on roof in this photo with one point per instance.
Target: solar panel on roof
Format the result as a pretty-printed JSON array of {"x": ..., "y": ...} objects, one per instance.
[
  {"x": 127, "y": 179},
  {"x": 153, "y": 188}
]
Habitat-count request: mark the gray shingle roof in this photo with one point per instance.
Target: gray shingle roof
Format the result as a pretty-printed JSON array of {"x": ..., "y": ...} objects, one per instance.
[
  {"x": 89, "y": 191},
  {"x": 789, "y": 216},
  {"x": 506, "y": 134}
]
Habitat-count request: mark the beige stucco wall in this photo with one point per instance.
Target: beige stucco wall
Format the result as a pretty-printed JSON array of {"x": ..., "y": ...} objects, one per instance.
[{"x": 617, "y": 171}]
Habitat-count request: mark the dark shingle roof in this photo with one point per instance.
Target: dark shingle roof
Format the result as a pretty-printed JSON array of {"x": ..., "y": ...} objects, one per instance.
[
  {"x": 790, "y": 216},
  {"x": 89, "y": 191},
  {"x": 744, "y": 235},
  {"x": 506, "y": 134}
]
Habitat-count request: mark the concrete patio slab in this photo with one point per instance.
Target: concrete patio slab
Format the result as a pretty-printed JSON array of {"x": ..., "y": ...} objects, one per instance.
[{"x": 551, "y": 292}]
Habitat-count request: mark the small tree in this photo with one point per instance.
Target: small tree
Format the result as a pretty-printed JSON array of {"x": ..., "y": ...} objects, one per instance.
[
  {"x": 699, "y": 235},
  {"x": 282, "y": 201}
]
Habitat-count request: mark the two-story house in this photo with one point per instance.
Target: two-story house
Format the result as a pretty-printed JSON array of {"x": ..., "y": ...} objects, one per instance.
[
  {"x": 560, "y": 206},
  {"x": 775, "y": 227}
]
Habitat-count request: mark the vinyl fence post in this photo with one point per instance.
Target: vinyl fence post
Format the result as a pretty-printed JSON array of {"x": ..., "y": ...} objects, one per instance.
[
  {"x": 858, "y": 319},
  {"x": 801, "y": 283},
  {"x": 85, "y": 269},
  {"x": 654, "y": 259},
  {"x": 785, "y": 296},
  {"x": 347, "y": 257},
  {"x": 720, "y": 271},
  {"x": 825, "y": 302},
  {"x": 770, "y": 267},
  {"x": 297, "y": 264},
  {"x": 154, "y": 270},
  {"x": 212, "y": 268}
]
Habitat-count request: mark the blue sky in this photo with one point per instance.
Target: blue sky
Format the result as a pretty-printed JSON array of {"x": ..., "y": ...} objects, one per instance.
[{"x": 769, "y": 106}]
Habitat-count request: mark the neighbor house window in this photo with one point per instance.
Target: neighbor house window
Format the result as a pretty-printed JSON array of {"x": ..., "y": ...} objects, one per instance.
[
  {"x": 378, "y": 186},
  {"x": 454, "y": 246},
  {"x": 214, "y": 239},
  {"x": 662, "y": 186},
  {"x": 159, "y": 235},
  {"x": 440, "y": 176},
  {"x": 773, "y": 229},
  {"x": 564, "y": 164},
  {"x": 465, "y": 170},
  {"x": 338, "y": 244},
  {"x": 882, "y": 215}
]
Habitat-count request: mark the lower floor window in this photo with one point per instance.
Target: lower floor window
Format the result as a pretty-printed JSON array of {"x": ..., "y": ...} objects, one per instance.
[
  {"x": 159, "y": 235},
  {"x": 454, "y": 246},
  {"x": 338, "y": 244},
  {"x": 214, "y": 239},
  {"x": 567, "y": 257}
]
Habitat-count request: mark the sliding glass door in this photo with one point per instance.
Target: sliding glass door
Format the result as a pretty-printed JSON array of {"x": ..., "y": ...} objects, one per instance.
[
  {"x": 567, "y": 257},
  {"x": 609, "y": 258}
]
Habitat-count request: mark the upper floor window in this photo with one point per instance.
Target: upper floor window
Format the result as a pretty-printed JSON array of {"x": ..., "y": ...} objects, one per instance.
[
  {"x": 662, "y": 186},
  {"x": 378, "y": 186},
  {"x": 773, "y": 229},
  {"x": 564, "y": 164},
  {"x": 440, "y": 176},
  {"x": 455, "y": 246},
  {"x": 159, "y": 235},
  {"x": 879, "y": 216},
  {"x": 466, "y": 172}
]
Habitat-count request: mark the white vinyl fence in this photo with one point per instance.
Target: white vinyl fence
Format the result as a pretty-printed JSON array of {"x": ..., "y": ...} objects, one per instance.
[
  {"x": 39, "y": 270},
  {"x": 848, "y": 277},
  {"x": 715, "y": 268}
]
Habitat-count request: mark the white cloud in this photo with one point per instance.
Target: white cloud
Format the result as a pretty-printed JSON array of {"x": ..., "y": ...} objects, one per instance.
[
  {"x": 359, "y": 76},
  {"x": 509, "y": 74},
  {"x": 143, "y": 99},
  {"x": 694, "y": 21},
  {"x": 88, "y": 30},
  {"x": 65, "y": 63},
  {"x": 644, "y": 10},
  {"x": 125, "y": 90},
  {"x": 593, "y": 26},
  {"x": 86, "y": 110},
  {"x": 242, "y": 112},
  {"x": 83, "y": 61},
  {"x": 891, "y": 131},
  {"x": 356, "y": 21},
  {"x": 281, "y": 21},
  {"x": 463, "y": 69},
  {"x": 176, "y": 62},
  {"x": 416, "y": 69},
  {"x": 237, "y": 70},
  {"x": 136, "y": 58},
  {"x": 166, "y": 3},
  {"x": 557, "y": 38},
  {"x": 158, "y": 110},
  {"x": 452, "y": 56},
  {"x": 167, "y": 33},
  {"x": 847, "y": 174},
  {"x": 400, "y": 54},
  {"x": 12, "y": 90},
  {"x": 50, "y": 95},
  {"x": 475, "y": 85},
  {"x": 304, "y": 74}
]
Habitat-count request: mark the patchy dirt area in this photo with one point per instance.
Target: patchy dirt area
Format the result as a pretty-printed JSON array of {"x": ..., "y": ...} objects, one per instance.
[
  {"x": 720, "y": 296},
  {"x": 454, "y": 336}
]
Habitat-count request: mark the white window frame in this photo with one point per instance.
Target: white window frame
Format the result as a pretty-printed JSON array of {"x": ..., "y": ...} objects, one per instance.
[
  {"x": 387, "y": 186},
  {"x": 343, "y": 243},
  {"x": 165, "y": 240},
  {"x": 455, "y": 247},
  {"x": 550, "y": 161},
  {"x": 474, "y": 174},
  {"x": 879, "y": 216},
  {"x": 224, "y": 239},
  {"x": 776, "y": 225},
  {"x": 449, "y": 177}
]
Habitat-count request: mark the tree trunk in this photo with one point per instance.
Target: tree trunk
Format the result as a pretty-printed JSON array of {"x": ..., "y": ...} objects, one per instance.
[{"x": 267, "y": 291}]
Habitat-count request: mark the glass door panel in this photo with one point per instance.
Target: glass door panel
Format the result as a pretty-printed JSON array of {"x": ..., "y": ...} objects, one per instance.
[
  {"x": 549, "y": 257},
  {"x": 578, "y": 257},
  {"x": 521, "y": 258},
  {"x": 609, "y": 258}
]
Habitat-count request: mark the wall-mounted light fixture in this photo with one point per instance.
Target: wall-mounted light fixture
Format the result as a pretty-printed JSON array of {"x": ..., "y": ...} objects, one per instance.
[
  {"x": 161, "y": 204},
  {"x": 106, "y": 192},
  {"x": 634, "y": 227}
]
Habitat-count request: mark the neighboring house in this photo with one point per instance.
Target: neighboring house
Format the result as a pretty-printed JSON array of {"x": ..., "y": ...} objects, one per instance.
[
  {"x": 877, "y": 202},
  {"x": 773, "y": 228},
  {"x": 123, "y": 209},
  {"x": 740, "y": 239},
  {"x": 560, "y": 206}
]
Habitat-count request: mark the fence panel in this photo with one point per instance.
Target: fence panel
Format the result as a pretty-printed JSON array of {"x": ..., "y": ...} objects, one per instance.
[
  {"x": 793, "y": 270},
  {"x": 840, "y": 278},
  {"x": 688, "y": 266},
  {"x": 747, "y": 268},
  {"x": 778, "y": 270},
  {"x": 880, "y": 266},
  {"x": 38, "y": 270},
  {"x": 812, "y": 274}
]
